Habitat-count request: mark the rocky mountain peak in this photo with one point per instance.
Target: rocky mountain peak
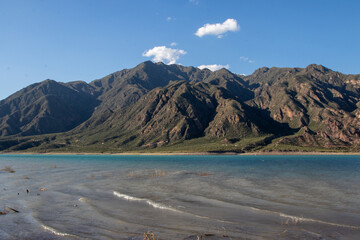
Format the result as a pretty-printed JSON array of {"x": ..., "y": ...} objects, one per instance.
[{"x": 317, "y": 68}]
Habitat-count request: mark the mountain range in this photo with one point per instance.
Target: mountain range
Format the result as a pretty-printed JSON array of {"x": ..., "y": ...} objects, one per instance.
[{"x": 159, "y": 107}]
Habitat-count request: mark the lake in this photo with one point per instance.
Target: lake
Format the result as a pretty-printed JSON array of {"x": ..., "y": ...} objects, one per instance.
[{"x": 180, "y": 197}]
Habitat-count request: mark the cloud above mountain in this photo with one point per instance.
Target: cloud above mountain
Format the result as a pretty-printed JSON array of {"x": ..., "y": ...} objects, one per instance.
[
  {"x": 164, "y": 54},
  {"x": 214, "y": 67},
  {"x": 230, "y": 25},
  {"x": 246, "y": 59}
]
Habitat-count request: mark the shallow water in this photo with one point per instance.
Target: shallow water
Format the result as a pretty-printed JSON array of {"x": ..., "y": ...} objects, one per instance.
[{"x": 175, "y": 197}]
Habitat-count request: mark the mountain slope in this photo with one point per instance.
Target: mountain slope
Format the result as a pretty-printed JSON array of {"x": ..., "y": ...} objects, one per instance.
[
  {"x": 314, "y": 98},
  {"x": 179, "y": 111},
  {"x": 45, "y": 107},
  {"x": 160, "y": 106}
]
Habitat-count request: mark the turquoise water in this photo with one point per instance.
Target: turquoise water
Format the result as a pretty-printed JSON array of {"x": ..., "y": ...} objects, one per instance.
[{"x": 180, "y": 197}]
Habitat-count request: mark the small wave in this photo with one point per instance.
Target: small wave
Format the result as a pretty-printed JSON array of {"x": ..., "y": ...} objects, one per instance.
[
  {"x": 55, "y": 232},
  {"x": 149, "y": 202},
  {"x": 302, "y": 219},
  {"x": 127, "y": 197},
  {"x": 160, "y": 206}
]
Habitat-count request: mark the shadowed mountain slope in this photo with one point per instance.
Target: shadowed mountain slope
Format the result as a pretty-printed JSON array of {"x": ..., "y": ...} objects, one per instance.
[
  {"x": 45, "y": 107},
  {"x": 179, "y": 111},
  {"x": 321, "y": 101}
]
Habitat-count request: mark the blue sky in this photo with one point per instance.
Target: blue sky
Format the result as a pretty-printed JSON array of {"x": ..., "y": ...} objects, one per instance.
[{"x": 72, "y": 40}]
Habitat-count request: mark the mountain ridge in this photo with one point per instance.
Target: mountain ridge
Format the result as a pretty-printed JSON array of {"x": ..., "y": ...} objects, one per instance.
[{"x": 158, "y": 106}]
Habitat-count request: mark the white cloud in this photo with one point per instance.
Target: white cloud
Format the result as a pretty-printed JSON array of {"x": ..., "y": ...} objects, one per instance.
[
  {"x": 173, "y": 44},
  {"x": 162, "y": 54},
  {"x": 168, "y": 19},
  {"x": 246, "y": 59},
  {"x": 214, "y": 67},
  {"x": 196, "y": 2},
  {"x": 218, "y": 28}
]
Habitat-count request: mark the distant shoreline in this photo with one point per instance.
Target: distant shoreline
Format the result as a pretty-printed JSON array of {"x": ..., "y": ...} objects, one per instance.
[{"x": 275, "y": 153}]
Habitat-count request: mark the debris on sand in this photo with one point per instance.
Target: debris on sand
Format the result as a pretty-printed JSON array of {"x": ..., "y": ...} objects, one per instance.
[
  {"x": 204, "y": 174},
  {"x": 8, "y": 169},
  {"x": 6, "y": 210},
  {"x": 149, "y": 236},
  {"x": 207, "y": 236},
  {"x": 13, "y": 209}
]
